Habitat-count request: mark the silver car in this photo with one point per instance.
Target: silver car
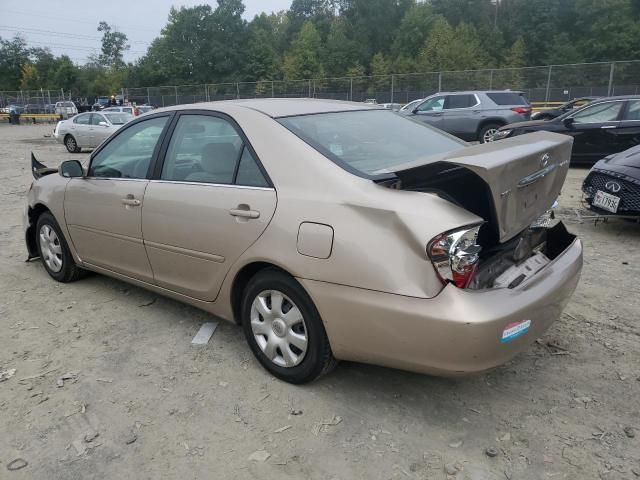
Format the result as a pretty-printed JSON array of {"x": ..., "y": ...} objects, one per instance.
[
  {"x": 88, "y": 130},
  {"x": 472, "y": 115}
]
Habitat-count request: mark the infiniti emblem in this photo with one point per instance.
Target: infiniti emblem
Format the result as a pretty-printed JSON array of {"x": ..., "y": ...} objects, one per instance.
[
  {"x": 613, "y": 186},
  {"x": 544, "y": 161}
]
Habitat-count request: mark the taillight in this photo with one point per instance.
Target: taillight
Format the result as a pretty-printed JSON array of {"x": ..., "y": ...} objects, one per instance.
[
  {"x": 522, "y": 110},
  {"x": 455, "y": 255}
]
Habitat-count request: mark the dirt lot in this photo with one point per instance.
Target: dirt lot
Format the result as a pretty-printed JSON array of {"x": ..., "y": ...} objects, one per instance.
[{"x": 162, "y": 408}]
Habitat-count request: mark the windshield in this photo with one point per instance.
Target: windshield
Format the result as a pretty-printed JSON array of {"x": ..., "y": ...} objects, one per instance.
[
  {"x": 370, "y": 140},
  {"x": 118, "y": 118}
]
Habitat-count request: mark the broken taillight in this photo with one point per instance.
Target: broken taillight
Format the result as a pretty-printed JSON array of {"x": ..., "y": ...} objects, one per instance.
[{"x": 455, "y": 255}]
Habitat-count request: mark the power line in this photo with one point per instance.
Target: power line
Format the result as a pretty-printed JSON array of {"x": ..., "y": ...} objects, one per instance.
[{"x": 37, "y": 31}]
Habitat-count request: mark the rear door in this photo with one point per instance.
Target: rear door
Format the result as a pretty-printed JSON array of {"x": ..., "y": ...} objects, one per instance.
[
  {"x": 628, "y": 132},
  {"x": 80, "y": 128},
  {"x": 209, "y": 200},
  {"x": 594, "y": 131},
  {"x": 461, "y": 115},
  {"x": 103, "y": 209}
]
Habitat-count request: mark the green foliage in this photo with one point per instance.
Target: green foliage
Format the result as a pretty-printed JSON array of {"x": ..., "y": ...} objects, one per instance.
[
  {"x": 304, "y": 57},
  {"x": 114, "y": 44}
]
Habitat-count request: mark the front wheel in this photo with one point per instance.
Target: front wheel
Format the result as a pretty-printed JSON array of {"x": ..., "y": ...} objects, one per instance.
[
  {"x": 71, "y": 144},
  {"x": 284, "y": 329},
  {"x": 487, "y": 132},
  {"x": 54, "y": 251}
]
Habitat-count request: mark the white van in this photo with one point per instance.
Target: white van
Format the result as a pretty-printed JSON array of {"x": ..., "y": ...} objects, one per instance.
[{"x": 67, "y": 109}]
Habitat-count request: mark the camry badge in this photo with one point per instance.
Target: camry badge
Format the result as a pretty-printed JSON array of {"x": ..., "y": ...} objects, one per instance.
[
  {"x": 613, "y": 186},
  {"x": 544, "y": 161}
]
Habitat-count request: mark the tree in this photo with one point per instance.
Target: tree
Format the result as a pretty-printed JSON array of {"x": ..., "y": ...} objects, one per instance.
[
  {"x": 448, "y": 48},
  {"x": 30, "y": 79},
  {"x": 263, "y": 59},
  {"x": 340, "y": 51},
  {"x": 303, "y": 59},
  {"x": 413, "y": 30},
  {"x": 65, "y": 75},
  {"x": 13, "y": 55},
  {"x": 515, "y": 60},
  {"x": 114, "y": 44}
]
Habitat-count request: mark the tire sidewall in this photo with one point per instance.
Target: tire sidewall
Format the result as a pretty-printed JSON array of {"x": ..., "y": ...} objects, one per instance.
[
  {"x": 67, "y": 259},
  {"x": 314, "y": 360}
]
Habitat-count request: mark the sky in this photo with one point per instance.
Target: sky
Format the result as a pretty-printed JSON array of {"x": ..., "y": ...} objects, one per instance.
[{"x": 69, "y": 26}]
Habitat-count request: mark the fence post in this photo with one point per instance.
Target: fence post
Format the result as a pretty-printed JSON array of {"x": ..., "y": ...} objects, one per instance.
[
  {"x": 439, "y": 82},
  {"x": 309, "y": 96},
  {"x": 148, "y": 97},
  {"x": 237, "y": 90},
  {"x": 351, "y": 89},
  {"x": 609, "y": 90},
  {"x": 491, "y": 79},
  {"x": 175, "y": 89},
  {"x": 393, "y": 81},
  {"x": 546, "y": 96},
  {"x": 272, "y": 90}
]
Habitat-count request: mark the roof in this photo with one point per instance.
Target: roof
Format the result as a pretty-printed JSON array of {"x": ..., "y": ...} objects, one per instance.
[{"x": 281, "y": 107}]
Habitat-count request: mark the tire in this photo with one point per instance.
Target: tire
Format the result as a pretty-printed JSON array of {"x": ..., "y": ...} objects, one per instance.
[
  {"x": 54, "y": 251},
  {"x": 270, "y": 336},
  {"x": 487, "y": 131},
  {"x": 71, "y": 144}
]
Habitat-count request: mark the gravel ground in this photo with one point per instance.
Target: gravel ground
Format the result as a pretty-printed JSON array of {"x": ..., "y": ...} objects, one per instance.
[{"x": 107, "y": 384}]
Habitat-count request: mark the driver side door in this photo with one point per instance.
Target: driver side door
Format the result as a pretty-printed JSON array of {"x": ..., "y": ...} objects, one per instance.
[
  {"x": 103, "y": 209},
  {"x": 431, "y": 112}
]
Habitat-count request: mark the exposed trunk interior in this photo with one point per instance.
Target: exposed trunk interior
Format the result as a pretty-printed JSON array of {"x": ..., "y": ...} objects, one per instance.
[{"x": 505, "y": 264}]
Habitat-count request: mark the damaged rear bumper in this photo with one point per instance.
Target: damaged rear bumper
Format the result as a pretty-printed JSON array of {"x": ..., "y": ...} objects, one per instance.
[{"x": 456, "y": 332}]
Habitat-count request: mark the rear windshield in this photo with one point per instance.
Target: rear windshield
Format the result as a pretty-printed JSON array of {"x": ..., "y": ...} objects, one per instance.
[
  {"x": 508, "y": 98},
  {"x": 118, "y": 118},
  {"x": 370, "y": 140}
]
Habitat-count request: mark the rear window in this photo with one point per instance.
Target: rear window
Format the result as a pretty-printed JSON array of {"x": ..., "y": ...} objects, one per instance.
[
  {"x": 118, "y": 118},
  {"x": 459, "y": 101},
  {"x": 508, "y": 98},
  {"x": 370, "y": 141}
]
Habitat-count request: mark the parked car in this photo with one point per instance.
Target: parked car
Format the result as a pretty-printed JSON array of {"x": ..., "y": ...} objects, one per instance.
[
  {"x": 127, "y": 109},
  {"x": 613, "y": 184},
  {"x": 145, "y": 108},
  {"x": 600, "y": 128},
  {"x": 88, "y": 130},
  {"x": 550, "y": 113},
  {"x": 66, "y": 108},
  {"x": 101, "y": 103},
  {"x": 380, "y": 224},
  {"x": 16, "y": 109},
  {"x": 473, "y": 115}
]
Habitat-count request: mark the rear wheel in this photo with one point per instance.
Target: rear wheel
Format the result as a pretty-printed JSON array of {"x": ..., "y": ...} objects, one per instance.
[
  {"x": 487, "y": 132},
  {"x": 71, "y": 144},
  {"x": 54, "y": 251},
  {"x": 284, "y": 329}
]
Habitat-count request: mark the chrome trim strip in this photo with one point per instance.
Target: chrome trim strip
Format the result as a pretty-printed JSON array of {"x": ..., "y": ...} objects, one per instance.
[
  {"x": 125, "y": 179},
  {"x": 534, "y": 177},
  {"x": 185, "y": 251},
  {"x": 227, "y": 185}
]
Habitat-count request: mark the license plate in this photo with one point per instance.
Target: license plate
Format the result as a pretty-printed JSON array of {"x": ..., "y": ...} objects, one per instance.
[{"x": 606, "y": 201}]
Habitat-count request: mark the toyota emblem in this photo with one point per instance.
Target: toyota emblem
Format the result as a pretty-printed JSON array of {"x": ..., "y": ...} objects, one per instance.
[
  {"x": 544, "y": 161},
  {"x": 612, "y": 186}
]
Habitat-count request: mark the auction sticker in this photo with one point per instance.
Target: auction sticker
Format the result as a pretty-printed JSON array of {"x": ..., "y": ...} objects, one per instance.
[{"x": 514, "y": 330}]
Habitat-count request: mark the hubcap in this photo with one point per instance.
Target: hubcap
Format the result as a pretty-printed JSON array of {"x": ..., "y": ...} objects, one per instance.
[
  {"x": 71, "y": 143},
  {"x": 50, "y": 248},
  {"x": 488, "y": 135},
  {"x": 279, "y": 329}
]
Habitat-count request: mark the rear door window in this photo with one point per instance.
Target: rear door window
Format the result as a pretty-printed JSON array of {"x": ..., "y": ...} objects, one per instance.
[
  {"x": 602, "y": 112},
  {"x": 508, "y": 98},
  {"x": 82, "y": 119},
  {"x": 434, "y": 104},
  {"x": 459, "y": 101},
  {"x": 633, "y": 112}
]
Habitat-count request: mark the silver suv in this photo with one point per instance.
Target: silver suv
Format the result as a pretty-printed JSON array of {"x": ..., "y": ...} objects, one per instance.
[{"x": 473, "y": 115}]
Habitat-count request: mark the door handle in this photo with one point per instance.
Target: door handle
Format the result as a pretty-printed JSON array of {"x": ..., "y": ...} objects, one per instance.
[
  {"x": 130, "y": 201},
  {"x": 244, "y": 213},
  {"x": 608, "y": 126}
]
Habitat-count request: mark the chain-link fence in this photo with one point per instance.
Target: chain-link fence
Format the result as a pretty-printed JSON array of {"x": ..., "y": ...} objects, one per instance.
[
  {"x": 553, "y": 83},
  {"x": 32, "y": 101}
]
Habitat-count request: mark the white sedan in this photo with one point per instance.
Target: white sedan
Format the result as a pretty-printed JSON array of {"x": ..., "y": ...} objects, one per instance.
[{"x": 88, "y": 130}]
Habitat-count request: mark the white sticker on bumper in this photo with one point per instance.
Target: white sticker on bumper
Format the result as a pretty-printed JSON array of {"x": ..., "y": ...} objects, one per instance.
[{"x": 514, "y": 330}]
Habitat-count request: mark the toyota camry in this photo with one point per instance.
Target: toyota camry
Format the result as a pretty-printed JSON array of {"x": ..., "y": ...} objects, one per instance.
[{"x": 327, "y": 230}]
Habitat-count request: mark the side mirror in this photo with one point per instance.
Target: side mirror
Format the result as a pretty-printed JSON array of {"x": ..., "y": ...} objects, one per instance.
[
  {"x": 568, "y": 121},
  {"x": 103, "y": 124},
  {"x": 71, "y": 169}
]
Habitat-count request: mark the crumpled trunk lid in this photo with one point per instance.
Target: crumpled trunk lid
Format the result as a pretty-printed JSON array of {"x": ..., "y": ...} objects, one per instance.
[{"x": 524, "y": 176}]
